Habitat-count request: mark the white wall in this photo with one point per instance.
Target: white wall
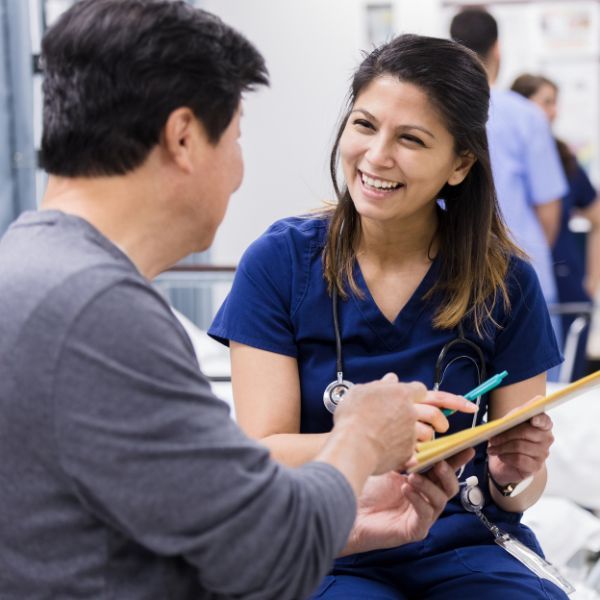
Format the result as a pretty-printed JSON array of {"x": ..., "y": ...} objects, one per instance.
[
  {"x": 420, "y": 16},
  {"x": 311, "y": 48}
]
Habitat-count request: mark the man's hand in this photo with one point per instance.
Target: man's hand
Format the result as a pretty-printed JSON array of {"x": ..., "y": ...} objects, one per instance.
[
  {"x": 396, "y": 509},
  {"x": 381, "y": 416}
]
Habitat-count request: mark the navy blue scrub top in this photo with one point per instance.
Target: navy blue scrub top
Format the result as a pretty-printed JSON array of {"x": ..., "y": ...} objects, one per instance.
[
  {"x": 568, "y": 252},
  {"x": 279, "y": 302}
]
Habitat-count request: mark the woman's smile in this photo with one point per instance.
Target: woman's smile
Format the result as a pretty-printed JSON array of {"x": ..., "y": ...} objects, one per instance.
[{"x": 377, "y": 187}]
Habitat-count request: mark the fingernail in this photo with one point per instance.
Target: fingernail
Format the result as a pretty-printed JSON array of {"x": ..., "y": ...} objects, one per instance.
[{"x": 415, "y": 479}]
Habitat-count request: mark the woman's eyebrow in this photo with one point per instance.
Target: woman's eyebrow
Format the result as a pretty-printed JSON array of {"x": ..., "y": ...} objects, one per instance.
[{"x": 404, "y": 127}]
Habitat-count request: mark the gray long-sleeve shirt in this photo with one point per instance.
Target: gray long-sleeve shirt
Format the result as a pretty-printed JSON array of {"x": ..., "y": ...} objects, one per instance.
[{"x": 121, "y": 475}]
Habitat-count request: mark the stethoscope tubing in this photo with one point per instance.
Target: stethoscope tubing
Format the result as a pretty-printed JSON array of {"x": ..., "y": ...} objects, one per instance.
[{"x": 335, "y": 391}]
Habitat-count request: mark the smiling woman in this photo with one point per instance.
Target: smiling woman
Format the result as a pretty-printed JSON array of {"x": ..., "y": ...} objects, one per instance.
[
  {"x": 429, "y": 129},
  {"x": 413, "y": 253},
  {"x": 396, "y": 155}
]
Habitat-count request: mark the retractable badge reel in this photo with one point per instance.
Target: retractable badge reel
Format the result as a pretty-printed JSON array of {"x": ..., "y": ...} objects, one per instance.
[{"x": 473, "y": 500}]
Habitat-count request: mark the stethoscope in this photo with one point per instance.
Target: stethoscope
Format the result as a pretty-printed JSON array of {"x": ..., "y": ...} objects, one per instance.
[
  {"x": 471, "y": 496},
  {"x": 339, "y": 387}
]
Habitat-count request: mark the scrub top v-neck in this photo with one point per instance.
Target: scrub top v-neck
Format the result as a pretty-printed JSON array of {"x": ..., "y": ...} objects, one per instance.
[{"x": 392, "y": 333}]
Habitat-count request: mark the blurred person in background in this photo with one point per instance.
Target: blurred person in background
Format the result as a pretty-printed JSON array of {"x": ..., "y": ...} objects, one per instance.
[
  {"x": 528, "y": 174},
  {"x": 576, "y": 268}
]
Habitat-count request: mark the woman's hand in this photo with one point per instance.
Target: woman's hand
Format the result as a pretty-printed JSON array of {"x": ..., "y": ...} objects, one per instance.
[
  {"x": 430, "y": 418},
  {"x": 522, "y": 451}
]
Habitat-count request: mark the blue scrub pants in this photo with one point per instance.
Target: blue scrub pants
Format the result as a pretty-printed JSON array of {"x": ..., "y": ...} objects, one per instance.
[{"x": 441, "y": 567}]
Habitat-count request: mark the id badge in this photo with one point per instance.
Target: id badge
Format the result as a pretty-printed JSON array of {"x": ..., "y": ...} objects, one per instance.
[{"x": 533, "y": 561}]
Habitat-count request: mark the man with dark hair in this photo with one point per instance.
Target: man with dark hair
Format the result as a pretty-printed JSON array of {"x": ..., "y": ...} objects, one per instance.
[
  {"x": 106, "y": 124},
  {"x": 476, "y": 29},
  {"x": 121, "y": 474},
  {"x": 527, "y": 171}
]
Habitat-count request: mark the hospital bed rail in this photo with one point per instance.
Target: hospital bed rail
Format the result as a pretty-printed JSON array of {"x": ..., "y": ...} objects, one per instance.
[
  {"x": 196, "y": 291},
  {"x": 582, "y": 311}
]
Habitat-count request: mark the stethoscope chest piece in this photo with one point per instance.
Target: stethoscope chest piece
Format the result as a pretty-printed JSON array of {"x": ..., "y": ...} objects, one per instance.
[{"x": 335, "y": 391}]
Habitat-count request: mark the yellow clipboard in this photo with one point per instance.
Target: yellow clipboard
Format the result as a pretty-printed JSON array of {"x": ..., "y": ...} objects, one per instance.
[{"x": 429, "y": 453}]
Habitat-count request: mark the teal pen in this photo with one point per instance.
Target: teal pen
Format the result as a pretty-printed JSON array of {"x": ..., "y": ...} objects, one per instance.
[{"x": 482, "y": 388}]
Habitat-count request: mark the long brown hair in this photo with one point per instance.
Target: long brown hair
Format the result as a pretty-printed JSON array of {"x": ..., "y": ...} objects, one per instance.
[
  {"x": 474, "y": 245},
  {"x": 527, "y": 85}
]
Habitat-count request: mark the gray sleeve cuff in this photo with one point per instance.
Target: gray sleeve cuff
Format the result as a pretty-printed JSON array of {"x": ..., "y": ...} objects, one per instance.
[{"x": 340, "y": 504}]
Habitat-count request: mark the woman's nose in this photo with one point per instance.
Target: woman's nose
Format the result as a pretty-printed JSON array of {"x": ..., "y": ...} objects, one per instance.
[{"x": 379, "y": 152}]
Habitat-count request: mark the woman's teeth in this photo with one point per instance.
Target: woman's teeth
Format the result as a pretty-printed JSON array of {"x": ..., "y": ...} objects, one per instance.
[{"x": 379, "y": 184}]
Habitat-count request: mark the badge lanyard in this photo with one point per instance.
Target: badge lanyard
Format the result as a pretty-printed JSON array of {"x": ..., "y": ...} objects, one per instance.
[{"x": 473, "y": 500}]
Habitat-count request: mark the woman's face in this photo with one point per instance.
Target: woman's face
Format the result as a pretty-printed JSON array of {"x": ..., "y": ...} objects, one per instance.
[
  {"x": 546, "y": 98},
  {"x": 396, "y": 152}
]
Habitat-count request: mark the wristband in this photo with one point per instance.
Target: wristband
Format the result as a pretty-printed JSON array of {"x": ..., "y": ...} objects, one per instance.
[{"x": 510, "y": 490}]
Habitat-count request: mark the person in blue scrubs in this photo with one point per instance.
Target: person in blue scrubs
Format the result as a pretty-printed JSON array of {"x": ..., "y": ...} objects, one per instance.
[
  {"x": 528, "y": 175},
  {"x": 413, "y": 253},
  {"x": 576, "y": 265}
]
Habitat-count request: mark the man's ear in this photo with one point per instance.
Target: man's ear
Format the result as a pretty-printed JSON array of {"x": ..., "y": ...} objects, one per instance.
[
  {"x": 182, "y": 134},
  {"x": 495, "y": 51},
  {"x": 462, "y": 166}
]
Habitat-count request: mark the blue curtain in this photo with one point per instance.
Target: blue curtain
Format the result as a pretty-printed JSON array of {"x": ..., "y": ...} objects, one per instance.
[{"x": 17, "y": 154}]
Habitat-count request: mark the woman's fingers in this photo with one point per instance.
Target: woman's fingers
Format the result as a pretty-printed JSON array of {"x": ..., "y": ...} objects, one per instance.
[
  {"x": 526, "y": 447},
  {"x": 526, "y": 465},
  {"x": 538, "y": 429},
  {"x": 542, "y": 421},
  {"x": 424, "y": 432},
  {"x": 429, "y": 412},
  {"x": 450, "y": 401},
  {"x": 432, "y": 416}
]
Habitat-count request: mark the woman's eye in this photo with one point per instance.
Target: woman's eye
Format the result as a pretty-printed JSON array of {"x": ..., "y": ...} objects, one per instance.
[
  {"x": 411, "y": 138},
  {"x": 363, "y": 123}
]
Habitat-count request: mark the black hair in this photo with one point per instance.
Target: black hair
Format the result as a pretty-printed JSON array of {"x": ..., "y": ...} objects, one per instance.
[
  {"x": 475, "y": 247},
  {"x": 114, "y": 70},
  {"x": 476, "y": 29}
]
